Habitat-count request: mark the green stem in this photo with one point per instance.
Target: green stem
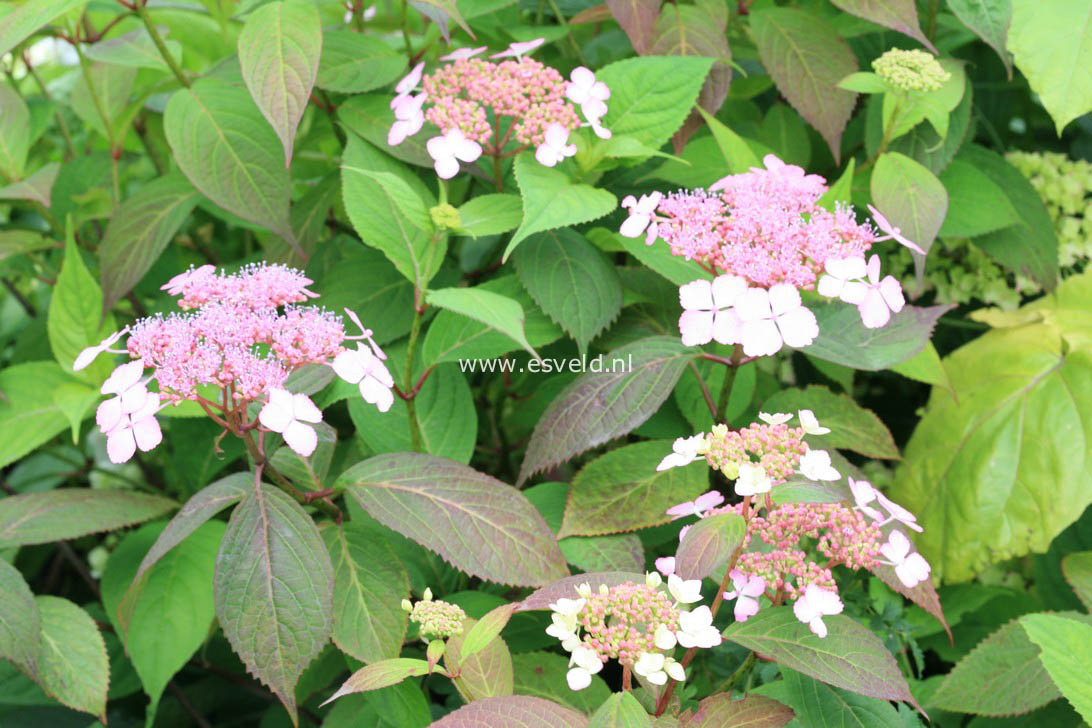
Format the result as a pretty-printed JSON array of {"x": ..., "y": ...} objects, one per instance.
[
  {"x": 726, "y": 387},
  {"x": 738, "y": 675},
  {"x": 142, "y": 11},
  {"x": 405, "y": 31},
  {"x": 407, "y": 379},
  {"x": 257, "y": 454},
  {"x": 568, "y": 31}
]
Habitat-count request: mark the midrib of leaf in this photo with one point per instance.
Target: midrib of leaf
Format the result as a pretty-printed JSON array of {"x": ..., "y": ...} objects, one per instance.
[{"x": 357, "y": 585}]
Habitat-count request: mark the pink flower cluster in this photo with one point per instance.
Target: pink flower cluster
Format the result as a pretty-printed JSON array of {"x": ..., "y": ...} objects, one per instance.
[
  {"x": 765, "y": 228},
  {"x": 241, "y": 333},
  {"x": 481, "y": 106}
]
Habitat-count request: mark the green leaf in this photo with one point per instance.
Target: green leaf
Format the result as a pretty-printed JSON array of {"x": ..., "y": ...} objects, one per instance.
[
  {"x": 737, "y": 153},
  {"x": 14, "y": 129},
  {"x": 353, "y": 62},
  {"x": 1031, "y": 247},
  {"x": 637, "y": 18},
  {"x": 370, "y": 117},
  {"x": 176, "y": 591},
  {"x": 517, "y": 711},
  {"x": 475, "y": 522},
  {"x": 708, "y": 544},
  {"x": 492, "y": 309},
  {"x": 274, "y": 590},
  {"x": 226, "y": 148},
  {"x": 37, "y": 187},
  {"x": 279, "y": 50},
  {"x": 989, "y": 20},
  {"x": 485, "y": 630},
  {"x": 112, "y": 87},
  {"x": 542, "y": 674},
  {"x": 849, "y": 657},
  {"x": 28, "y": 17},
  {"x": 1054, "y": 50},
  {"x": 72, "y": 665},
  {"x": 484, "y": 674},
  {"x": 139, "y": 232},
  {"x": 844, "y": 340},
  {"x": 925, "y": 366},
  {"x": 29, "y": 413},
  {"x": 784, "y": 131},
  {"x": 1001, "y": 451},
  {"x": 922, "y": 143},
  {"x": 75, "y": 313},
  {"x": 863, "y": 82},
  {"x": 806, "y": 59},
  {"x": 852, "y": 427},
  {"x": 380, "y": 675},
  {"x": 841, "y": 190},
  {"x": 652, "y": 96},
  {"x": 754, "y": 711},
  {"x": 898, "y": 15},
  {"x": 490, "y": 215},
  {"x": 453, "y": 337},
  {"x": 20, "y": 625},
  {"x": 598, "y": 407},
  {"x": 912, "y": 198},
  {"x": 618, "y": 552},
  {"x": 1078, "y": 572},
  {"x": 658, "y": 257},
  {"x": 135, "y": 49},
  {"x": 377, "y": 211},
  {"x": 551, "y": 199},
  {"x": 821, "y": 705},
  {"x": 621, "y": 710},
  {"x": 571, "y": 281},
  {"x": 977, "y": 205},
  {"x": 68, "y": 513},
  {"x": 1067, "y": 655},
  {"x": 369, "y": 586},
  {"x": 1001, "y": 676}
]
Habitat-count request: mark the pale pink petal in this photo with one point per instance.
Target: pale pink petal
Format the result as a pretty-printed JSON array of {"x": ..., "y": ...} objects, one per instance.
[
  {"x": 276, "y": 415},
  {"x": 147, "y": 433},
  {"x": 696, "y": 295},
  {"x": 628, "y": 201},
  {"x": 891, "y": 291},
  {"x": 874, "y": 269},
  {"x": 304, "y": 409},
  {"x": 705, "y": 501},
  {"x": 301, "y": 438},
  {"x": 375, "y": 393},
  {"x": 109, "y": 414},
  {"x": 120, "y": 445},
  {"x": 846, "y": 268},
  {"x": 727, "y": 327},
  {"x": 896, "y": 548},
  {"x": 854, "y": 292},
  {"x": 446, "y": 168},
  {"x": 379, "y": 371},
  {"x": 547, "y": 156},
  {"x": 746, "y": 607},
  {"x": 798, "y": 328},
  {"x": 727, "y": 289},
  {"x": 754, "y": 587},
  {"x": 133, "y": 398},
  {"x": 829, "y": 286},
  {"x": 754, "y": 305},
  {"x": 666, "y": 565},
  {"x": 873, "y": 309},
  {"x": 410, "y": 81},
  {"x": 466, "y": 150},
  {"x": 784, "y": 298},
  {"x": 818, "y": 627},
  {"x": 123, "y": 377},
  {"x": 696, "y": 327},
  {"x": 350, "y": 366},
  {"x": 761, "y": 338},
  {"x": 633, "y": 226}
]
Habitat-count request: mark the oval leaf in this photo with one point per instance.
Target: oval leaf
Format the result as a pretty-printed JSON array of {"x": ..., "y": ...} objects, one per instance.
[
  {"x": 517, "y": 711},
  {"x": 381, "y": 675},
  {"x": 19, "y": 622},
  {"x": 67, "y": 513},
  {"x": 72, "y": 664},
  {"x": 709, "y": 543}
]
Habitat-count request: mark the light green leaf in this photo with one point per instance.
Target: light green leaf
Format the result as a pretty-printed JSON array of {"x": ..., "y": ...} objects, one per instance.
[
  {"x": 852, "y": 427},
  {"x": 622, "y": 491},
  {"x": 353, "y": 62},
  {"x": 369, "y": 586},
  {"x": 841, "y": 190},
  {"x": 279, "y": 50},
  {"x": 226, "y": 148},
  {"x": 74, "y": 316},
  {"x": 484, "y": 674},
  {"x": 977, "y": 205},
  {"x": 377, "y": 211},
  {"x": 912, "y": 198},
  {"x": 652, "y": 96},
  {"x": 19, "y": 622},
  {"x": 864, "y": 82},
  {"x": 370, "y": 117},
  {"x": 1004, "y": 450},
  {"x": 542, "y": 674},
  {"x": 492, "y": 309},
  {"x": 1078, "y": 572},
  {"x": 490, "y": 215},
  {"x": 72, "y": 665},
  {"x": 477, "y": 523},
  {"x": 67, "y": 513},
  {"x": 600, "y": 406},
  {"x": 989, "y": 20},
  {"x": 618, "y": 552},
  {"x": 785, "y": 132},
  {"x": 139, "y": 232},
  {"x": 14, "y": 129},
  {"x": 551, "y": 199},
  {"x": 74, "y": 400},
  {"x": 621, "y": 710},
  {"x": 176, "y": 591},
  {"x": 380, "y": 675},
  {"x": 737, "y": 153},
  {"x": 112, "y": 87},
  {"x": 29, "y": 17},
  {"x": 38, "y": 187},
  {"x": 709, "y": 544},
  {"x": 571, "y": 281},
  {"x": 1067, "y": 656},
  {"x": 1054, "y": 51},
  {"x": 274, "y": 589},
  {"x": 485, "y": 630},
  {"x": 135, "y": 49},
  {"x": 29, "y": 415},
  {"x": 925, "y": 366},
  {"x": 806, "y": 59}
]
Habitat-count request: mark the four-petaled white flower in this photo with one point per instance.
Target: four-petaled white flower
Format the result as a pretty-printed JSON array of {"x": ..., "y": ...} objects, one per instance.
[
  {"x": 447, "y": 150},
  {"x": 684, "y": 451},
  {"x": 696, "y": 507},
  {"x": 911, "y": 568},
  {"x": 752, "y": 480},
  {"x": 696, "y": 628},
  {"x": 815, "y": 604},
  {"x": 518, "y": 50},
  {"x": 463, "y": 53},
  {"x": 863, "y": 494},
  {"x": 555, "y": 147},
  {"x": 640, "y": 216},
  {"x": 773, "y": 318},
  {"x": 708, "y": 310},
  {"x": 815, "y": 465},
  {"x": 587, "y": 663},
  {"x": 362, "y": 367},
  {"x": 810, "y": 423},
  {"x": 881, "y": 299},
  {"x": 131, "y": 430},
  {"x": 777, "y": 418},
  {"x": 892, "y": 232},
  {"x": 408, "y": 118},
  {"x": 292, "y": 416},
  {"x": 592, "y": 96},
  {"x": 684, "y": 591},
  {"x": 748, "y": 589}
]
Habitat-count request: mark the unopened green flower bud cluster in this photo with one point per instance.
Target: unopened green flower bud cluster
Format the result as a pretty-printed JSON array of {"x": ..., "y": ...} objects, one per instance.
[
  {"x": 434, "y": 617},
  {"x": 1065, "y": 185},
  {"x": 915, "y": 70}
]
